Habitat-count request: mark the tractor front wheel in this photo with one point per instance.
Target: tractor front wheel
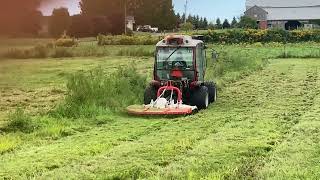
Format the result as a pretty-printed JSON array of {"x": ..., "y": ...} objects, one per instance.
[
  {"x": 200, "y": 98},
  {"x": 150, "y": 94}
]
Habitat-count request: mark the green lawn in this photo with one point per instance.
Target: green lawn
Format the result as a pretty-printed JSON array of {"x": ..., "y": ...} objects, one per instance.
[{"x": 264, "y": 125}]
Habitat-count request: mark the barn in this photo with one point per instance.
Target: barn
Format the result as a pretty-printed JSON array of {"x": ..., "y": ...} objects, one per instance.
[{"x": 286, "y": 14}]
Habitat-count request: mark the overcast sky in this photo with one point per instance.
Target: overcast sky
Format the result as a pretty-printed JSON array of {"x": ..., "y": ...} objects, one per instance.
[{"x": 206, "y": 8}]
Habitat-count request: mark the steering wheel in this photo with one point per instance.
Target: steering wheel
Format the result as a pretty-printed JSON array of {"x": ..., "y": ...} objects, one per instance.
[{"x": 179, "y": 64}]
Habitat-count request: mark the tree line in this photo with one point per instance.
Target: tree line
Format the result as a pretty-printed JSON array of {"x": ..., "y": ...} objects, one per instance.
[
  {"x": 97, "y": 16},
  {"x": 22, "y": 18},
  {"x": 19, "y": 17}
]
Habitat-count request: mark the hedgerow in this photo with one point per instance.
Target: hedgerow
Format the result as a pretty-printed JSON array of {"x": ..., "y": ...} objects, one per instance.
[
  {"x": 265, "y": 36},
  {"x": 127, "y": 40}
]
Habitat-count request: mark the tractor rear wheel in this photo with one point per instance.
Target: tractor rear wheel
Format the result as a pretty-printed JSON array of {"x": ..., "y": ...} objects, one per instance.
[
  {"x": 150, "y": 94},
  {"x": 200, "y": 98},
  {"x": 212, "y": 91}
]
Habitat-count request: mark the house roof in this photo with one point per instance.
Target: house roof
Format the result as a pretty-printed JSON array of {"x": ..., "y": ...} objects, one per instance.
[
  {"x": 305, "y": 13},
  {"x": 288, "y": 9},
  {"x": 283, "y": 3}
]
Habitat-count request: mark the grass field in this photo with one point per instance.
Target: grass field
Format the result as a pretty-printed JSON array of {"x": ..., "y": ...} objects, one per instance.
[{"x": 265, "y": 124}]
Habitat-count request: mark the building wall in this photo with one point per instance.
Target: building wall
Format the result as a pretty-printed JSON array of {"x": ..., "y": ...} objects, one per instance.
[
  {"x": 256, "y": 13},
  {"x": 277, "y": 24}
]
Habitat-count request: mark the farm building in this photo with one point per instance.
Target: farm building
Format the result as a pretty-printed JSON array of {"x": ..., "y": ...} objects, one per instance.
[{"x": 286, "y": 14}]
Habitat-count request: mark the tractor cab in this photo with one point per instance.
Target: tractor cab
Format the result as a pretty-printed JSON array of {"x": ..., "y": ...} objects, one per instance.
[
  {"x": 178, "y": 86},
  {"x": 180, "y": 58}
]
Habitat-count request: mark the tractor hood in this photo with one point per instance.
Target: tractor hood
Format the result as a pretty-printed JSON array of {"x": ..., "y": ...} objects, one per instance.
[{"x": 178, "y": 40}]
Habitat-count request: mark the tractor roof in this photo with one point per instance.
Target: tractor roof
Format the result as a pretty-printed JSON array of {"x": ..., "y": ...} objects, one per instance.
[{"x": 179, "y": 40}]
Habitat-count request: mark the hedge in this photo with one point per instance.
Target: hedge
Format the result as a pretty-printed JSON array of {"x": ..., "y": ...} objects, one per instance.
[
  {"x": 253, "y": 35},
  {"x": 128, "y": 40}
]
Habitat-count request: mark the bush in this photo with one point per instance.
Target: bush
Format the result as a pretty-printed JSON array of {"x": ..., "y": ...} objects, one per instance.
[
  {"x": 187, "y": 26},
  {"x": 127, "y": 40},
  {"x": 38, "y": 51},
  {"x": 15, "y": 54},
  {"x": 20, "y": 121},
  {"x": 98, "y": 92},
  {"x": 66, "y": 42},
  {"x": 265, "y": 36},
  {"x": 140, "y": 52},
  {"x": 61, "y": 52}
]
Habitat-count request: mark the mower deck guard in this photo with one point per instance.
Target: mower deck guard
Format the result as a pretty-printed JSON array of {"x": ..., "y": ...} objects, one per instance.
[{"x": 147, "y": 111}]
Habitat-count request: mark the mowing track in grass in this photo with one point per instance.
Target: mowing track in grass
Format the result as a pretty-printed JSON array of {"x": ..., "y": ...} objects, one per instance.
[{"x": 248, "y": 134}]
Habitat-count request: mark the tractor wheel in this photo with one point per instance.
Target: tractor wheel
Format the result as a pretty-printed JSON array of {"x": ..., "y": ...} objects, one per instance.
[
  {"x": 150, "y": 94},
  {"x": 200, "y": 98},
  {"x": 212, "y": 91}
]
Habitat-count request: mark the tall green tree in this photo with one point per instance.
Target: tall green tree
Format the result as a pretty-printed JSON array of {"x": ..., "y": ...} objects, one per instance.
[
  {"x": 112, "y": 10},
  {"x": 218, "y": 24},
  {"x": 19, "y": 17},
  {"x": 158, "y": 13},
  {"x": 247, "y": 23},
  {"x": 59, "y": 22},
  {"x": 226, "y": 24},
  {"x": 205, "y": 23},
  {"x": 234, "y": 22}
]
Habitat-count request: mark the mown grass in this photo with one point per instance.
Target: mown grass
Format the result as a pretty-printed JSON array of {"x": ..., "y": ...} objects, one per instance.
[{"x": 265, "y": 108}]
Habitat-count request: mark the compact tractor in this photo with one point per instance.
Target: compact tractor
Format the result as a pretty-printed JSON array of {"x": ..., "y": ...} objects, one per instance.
[{"x": 178, "y": 86}]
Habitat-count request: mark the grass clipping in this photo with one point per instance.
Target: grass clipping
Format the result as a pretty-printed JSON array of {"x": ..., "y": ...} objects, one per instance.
[{"x": 98, "y": 92}]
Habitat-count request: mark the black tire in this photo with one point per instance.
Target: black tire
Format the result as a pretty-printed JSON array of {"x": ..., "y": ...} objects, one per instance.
[
  {"x": 150, "y": 94},
  {"x": 200, "y": 98},
  {"x": 212, "y": 91}
]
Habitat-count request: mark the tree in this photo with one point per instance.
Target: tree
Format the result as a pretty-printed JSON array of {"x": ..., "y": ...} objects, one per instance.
[
  {"x": 80, "y": 26},
  {"x": 112, "y": 10},
  {"x": 226, "y": 24},
  {"x": 211, "y": 26},
  {"x": 218, "y": 23},
  {"x": 197, "y": 22},
  {"x": 186, "y": 26},
  {"x": 59, "y": 22},
  {"x": 19, "y": 17},
  {"x": 234, "y": 22},
  {"x": 205, "y": 23},
  {"x": 247, "y": 23}
]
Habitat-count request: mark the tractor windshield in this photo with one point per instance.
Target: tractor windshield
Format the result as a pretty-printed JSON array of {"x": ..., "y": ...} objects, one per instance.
[
  {"x": 169, "y": 58},
  {"x": 181, "y": 57}
]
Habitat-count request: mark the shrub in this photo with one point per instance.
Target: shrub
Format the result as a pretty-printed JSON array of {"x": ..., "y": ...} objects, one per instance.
[
  {"x": 20, "y": 121},
  {"x": 38, "y": 51},
  {"x": 61, "y": 52},
  {"x": 186, "y": 26},
  {"x": 15, "y": 53},
  {"x": 265, "y": 36},
  {"x": 97, "y": 92},
  {"x": 140, "y": 52},
  {"x": 66, "y": 42},
  {"x": 127, "y": 40}
]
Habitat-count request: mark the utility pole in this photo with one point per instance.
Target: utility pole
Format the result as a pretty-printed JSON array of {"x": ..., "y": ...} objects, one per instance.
[
  {"x": 125, "y": 17},
  {"x": 185, "y": 11}
]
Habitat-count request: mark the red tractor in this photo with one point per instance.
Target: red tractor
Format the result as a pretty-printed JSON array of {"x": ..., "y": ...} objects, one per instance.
[{"x": 178, "y": 86}]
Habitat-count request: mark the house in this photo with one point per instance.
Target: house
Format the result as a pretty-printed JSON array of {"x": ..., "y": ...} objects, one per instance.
[{"x": 286, "y": 14}]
